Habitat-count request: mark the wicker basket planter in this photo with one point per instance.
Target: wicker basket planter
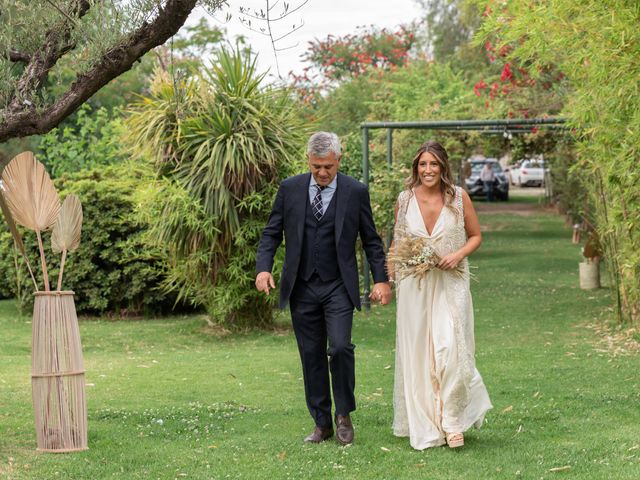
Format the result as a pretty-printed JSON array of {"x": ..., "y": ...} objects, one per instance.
[{"x": 57, "y": 374}]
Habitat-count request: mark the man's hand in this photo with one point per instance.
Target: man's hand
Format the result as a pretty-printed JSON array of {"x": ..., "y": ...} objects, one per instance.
[
  {"x": 264, "y": 282},
  {"x": 381, "y": 292}
]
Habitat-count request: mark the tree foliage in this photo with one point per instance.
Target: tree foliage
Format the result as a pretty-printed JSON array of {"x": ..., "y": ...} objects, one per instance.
[
  {"x": 98, "y": 40},
  {"x": 335, "y": 60},
  {"x": 92, "y": 140},
  {"x": 450, "y": 24},
  {"x": 597, "y": 46}
]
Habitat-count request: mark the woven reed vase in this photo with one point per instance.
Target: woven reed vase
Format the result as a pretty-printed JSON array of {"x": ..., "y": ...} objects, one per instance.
[{"x": 57, "y": 374}]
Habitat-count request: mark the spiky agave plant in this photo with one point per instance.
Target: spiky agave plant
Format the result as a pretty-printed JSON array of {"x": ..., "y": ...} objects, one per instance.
[{"x": 236, "y": 139}]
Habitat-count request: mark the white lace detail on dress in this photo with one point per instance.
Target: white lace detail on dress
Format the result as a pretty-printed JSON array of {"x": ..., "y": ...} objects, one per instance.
[{"x": 459, "y": 299}]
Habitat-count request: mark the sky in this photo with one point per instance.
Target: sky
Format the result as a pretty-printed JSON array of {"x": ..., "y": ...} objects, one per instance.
[{"x": 319, "y": 17}]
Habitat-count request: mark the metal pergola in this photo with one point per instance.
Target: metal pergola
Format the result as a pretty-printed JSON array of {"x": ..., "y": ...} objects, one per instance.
[{"x": 507, "y": 128}]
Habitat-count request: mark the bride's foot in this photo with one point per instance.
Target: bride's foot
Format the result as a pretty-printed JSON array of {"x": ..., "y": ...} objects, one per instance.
[{"x": 455, "y": 440}]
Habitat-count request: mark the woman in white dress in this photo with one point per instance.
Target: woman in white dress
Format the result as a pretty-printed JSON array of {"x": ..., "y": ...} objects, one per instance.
[{"x": 438, "y": 392}]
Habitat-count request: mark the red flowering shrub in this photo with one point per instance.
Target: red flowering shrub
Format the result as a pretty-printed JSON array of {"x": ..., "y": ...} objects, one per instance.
[
  {"x": 337, "y": 59},
  {"x": 517, "y": 90}
]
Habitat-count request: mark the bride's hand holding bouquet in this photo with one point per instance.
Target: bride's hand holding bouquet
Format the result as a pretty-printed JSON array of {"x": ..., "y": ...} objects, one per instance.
[{"x": 451, "y": 261}]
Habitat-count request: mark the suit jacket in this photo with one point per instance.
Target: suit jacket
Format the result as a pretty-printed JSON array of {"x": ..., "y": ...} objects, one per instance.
[{"x": 353, "y": 218}]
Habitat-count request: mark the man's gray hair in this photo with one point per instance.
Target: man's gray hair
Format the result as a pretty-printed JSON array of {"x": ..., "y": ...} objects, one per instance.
[{"x": 321, "y": 144}]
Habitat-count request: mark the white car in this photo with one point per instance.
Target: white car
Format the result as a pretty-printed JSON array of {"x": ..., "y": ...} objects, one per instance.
[{"x": 531, "y": 172}]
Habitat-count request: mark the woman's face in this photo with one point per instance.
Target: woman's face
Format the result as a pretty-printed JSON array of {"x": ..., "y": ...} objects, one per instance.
[{"x": 429, "y": 170}]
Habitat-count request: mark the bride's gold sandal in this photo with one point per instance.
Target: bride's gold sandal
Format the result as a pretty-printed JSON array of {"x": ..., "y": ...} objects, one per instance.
[{"x": 455, "y": 440}]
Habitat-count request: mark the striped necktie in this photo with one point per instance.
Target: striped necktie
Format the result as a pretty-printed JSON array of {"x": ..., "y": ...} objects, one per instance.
[{"x": 316, "y": 205}]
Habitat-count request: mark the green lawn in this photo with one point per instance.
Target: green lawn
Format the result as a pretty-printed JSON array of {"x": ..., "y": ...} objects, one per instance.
[{"x": 167, "y": 399}]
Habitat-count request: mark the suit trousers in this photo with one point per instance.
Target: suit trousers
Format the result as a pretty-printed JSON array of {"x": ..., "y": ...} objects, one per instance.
[{"x": 321, "y": 313}]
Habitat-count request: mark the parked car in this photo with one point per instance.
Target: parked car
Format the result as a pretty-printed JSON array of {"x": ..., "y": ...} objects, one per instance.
[
  {"x": 531, "y": 172},
  {"x": 475, "y": 188}
]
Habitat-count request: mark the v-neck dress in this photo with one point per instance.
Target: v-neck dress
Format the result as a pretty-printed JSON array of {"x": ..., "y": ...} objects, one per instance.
[{"x": 437, "y": 388}]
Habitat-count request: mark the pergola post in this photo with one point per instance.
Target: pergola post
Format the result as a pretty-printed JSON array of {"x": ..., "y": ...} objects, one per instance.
[
  {"x": 365, "y": 179},
  {"x": 389, "y": 163}
]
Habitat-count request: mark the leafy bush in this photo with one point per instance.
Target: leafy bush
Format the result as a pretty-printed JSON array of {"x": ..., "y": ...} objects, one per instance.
[
  {"x": 92, "y": 141},
  {"x": 115, "y": 270}
]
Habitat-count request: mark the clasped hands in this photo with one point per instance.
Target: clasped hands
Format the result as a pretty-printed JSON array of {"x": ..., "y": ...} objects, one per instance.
[{"x": 381, "y": 292}]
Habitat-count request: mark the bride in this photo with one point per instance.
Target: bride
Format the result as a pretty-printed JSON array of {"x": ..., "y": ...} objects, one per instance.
[{"x": 438, "y": 393}]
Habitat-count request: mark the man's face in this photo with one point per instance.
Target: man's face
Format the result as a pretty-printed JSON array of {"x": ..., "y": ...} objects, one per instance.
[{"x": 324, "y": 169}]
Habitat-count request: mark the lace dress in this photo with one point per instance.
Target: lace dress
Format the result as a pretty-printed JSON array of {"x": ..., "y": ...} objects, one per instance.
[{"x": 437, "y": 387}]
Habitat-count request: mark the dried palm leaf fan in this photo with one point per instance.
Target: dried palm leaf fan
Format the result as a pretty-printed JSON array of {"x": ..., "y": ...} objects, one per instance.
[
  {"x": 65, "y": 236},
  {"x": 32, "y": 198},
  {"x": 17, "y": 238}
]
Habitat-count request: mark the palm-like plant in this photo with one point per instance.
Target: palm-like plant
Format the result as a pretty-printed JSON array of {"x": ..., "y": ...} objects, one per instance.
[
  {"x": 155, "y": 122},
  {"x": 237, "y": 139},
  {"x": 232, "y": 142}
]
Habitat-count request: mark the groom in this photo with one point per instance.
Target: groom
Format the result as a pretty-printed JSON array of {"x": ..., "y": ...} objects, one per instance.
[{"x": 321, "y": 214}]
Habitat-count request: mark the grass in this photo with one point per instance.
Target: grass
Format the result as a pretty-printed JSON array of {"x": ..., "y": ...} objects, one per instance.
[{"x": 169, "y": 399}]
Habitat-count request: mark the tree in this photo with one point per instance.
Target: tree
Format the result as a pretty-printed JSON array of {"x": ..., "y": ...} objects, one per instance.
[
  {"x": 450, "y": 25},
  {"x": 101, "y": 40},
  {"x": 337, "y": 60}
]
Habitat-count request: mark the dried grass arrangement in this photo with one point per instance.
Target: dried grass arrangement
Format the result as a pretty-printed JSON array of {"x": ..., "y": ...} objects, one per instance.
[
  {"x": 416, "y": 256},
  {"x": 29, "y": 198}
]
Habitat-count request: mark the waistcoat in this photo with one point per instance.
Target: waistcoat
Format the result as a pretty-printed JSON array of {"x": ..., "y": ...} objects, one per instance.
[{"x": 319, "y": 245}]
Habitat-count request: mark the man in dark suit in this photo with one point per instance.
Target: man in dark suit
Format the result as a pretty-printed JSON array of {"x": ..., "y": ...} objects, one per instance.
[{"x": 321, "y": 214}]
